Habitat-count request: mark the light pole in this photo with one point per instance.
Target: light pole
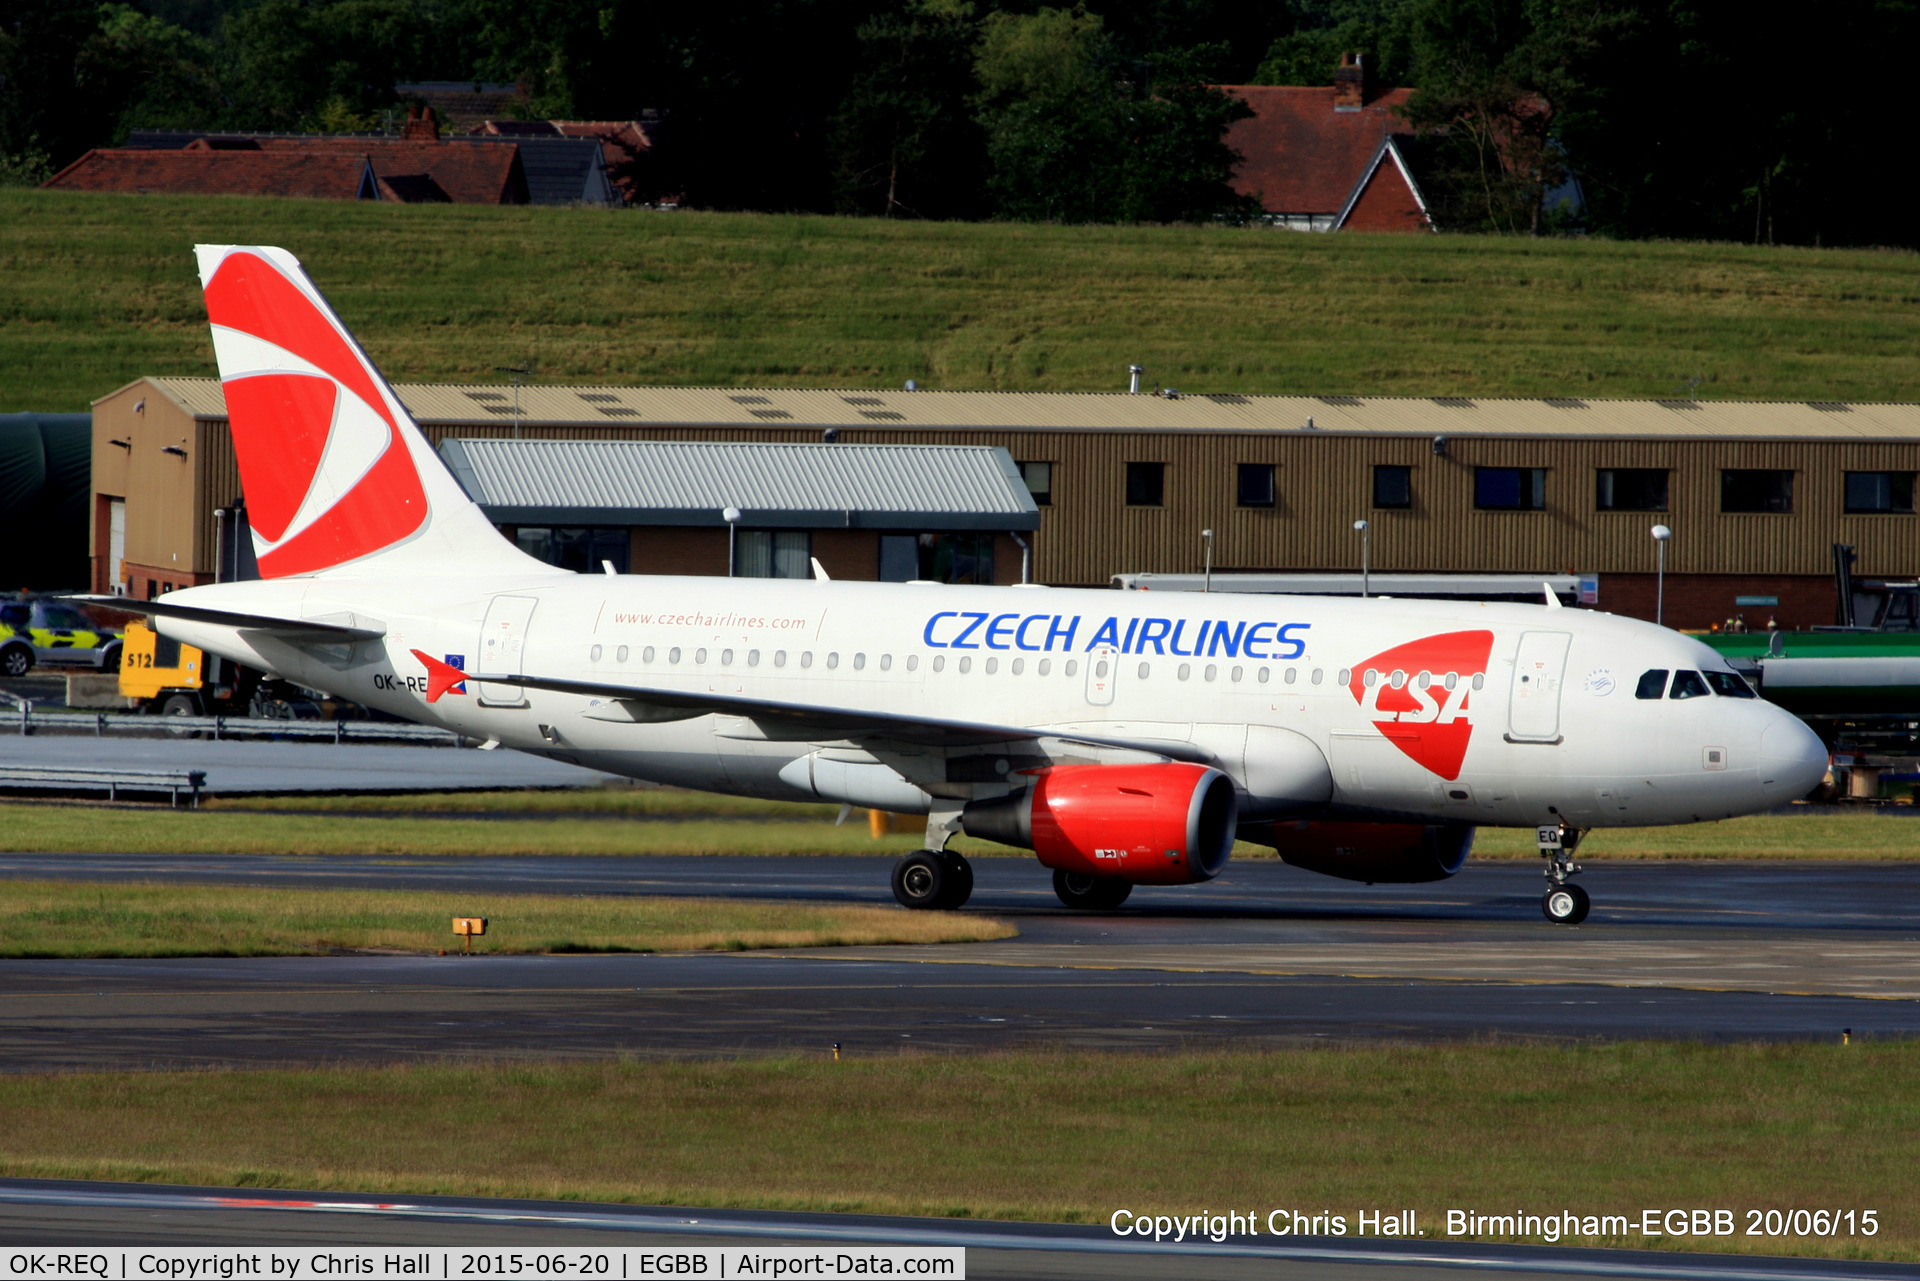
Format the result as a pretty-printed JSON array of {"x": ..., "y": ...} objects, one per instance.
[
  {"x": 1660, "y": 536},
  {"x": 519, "y": 372},
  {"x": 732, "y": 516},
  {"x": 1366, "y": 537},
  {"x": 1207, "y": 582}
]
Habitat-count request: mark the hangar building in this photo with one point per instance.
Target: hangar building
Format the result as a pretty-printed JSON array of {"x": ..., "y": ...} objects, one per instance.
[{"x": 1756, "y": 493}]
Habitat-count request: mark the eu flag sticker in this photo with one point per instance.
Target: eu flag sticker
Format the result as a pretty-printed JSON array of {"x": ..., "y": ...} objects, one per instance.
[{"x": 458, "y": 661}]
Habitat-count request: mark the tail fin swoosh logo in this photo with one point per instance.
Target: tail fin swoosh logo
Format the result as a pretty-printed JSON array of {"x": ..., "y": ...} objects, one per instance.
[
  {"x": 323, "y": 458},
  {"x": 1419, "y": 695}
]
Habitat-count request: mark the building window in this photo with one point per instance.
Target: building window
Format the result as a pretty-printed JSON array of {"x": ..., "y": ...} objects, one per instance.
[
  {"x": 773, "y": 553},
  {"x": 1039, "y": 479},
  {"x": 1256, "y": 484},
  {"x": 1393, "y": 486},
  {"x": 1756, "y": 491},
  {"x": 1510, "y": 488},
  {"x": 579, "y": 548},
  {"x": 939, "y": 558},
  {"x": 1630, "y": 489},
  {"x": 1879, "y": 491},
  {"x": 1146, "y": 484}
]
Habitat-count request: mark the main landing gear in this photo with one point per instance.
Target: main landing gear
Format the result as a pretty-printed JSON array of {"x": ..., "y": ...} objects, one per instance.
[
  {"x": 1564, "y": 902},
  {"x": 1080, "y": 889},
  {"x": 933, "y": 880}
]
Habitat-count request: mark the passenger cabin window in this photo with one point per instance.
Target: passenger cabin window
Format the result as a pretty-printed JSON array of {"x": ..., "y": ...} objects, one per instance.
[
  {"x": 773, "y": 553},
  {"x": 1393, "y": 487},
  {"x": 1256, "y": 484},
  {"x": 1652, "y": 683},
  {"x": 1521, "y": 489},
  {"x": 1753, "y": 490},
  {"x": 1630, "y": 489},
  {"x": 1729, "y": 685},
  {"x": 1039, "y": 481},
  {"x": 1688, "y": 685},
  {"x": 1879, "y": 492},
  {"x": 1146, "y": 484}
]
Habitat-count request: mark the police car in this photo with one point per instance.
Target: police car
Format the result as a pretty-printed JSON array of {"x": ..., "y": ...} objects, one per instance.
[{"x": 53, "y": 632}]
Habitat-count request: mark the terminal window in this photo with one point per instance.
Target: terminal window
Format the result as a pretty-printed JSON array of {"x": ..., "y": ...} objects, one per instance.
[
  {"x": 1146, "y": 484},
  {"x": 1039, "y": 479},
  {"x": 578, "y": 548},
  {"x": 1521, "y": 489},
  {"x": 773, "y": 553},
  {"x": 1756, "y": 490},
  {"x": 1256, "y": 484},
  {"x": 938, "y": 558},
  {"x": 1630, "y": 489},
  {"x": 1392, "y": 486},
  {"x": 1879, "y": 491}
]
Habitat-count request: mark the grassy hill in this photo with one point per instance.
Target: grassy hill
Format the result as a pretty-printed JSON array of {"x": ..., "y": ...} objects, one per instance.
[{"x": 97, "y": 290}]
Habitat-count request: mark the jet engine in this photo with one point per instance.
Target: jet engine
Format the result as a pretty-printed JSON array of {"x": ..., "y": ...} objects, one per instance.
[
  {"x": 1163, "y": 824},
  {"x": 1386, "y": 853}
]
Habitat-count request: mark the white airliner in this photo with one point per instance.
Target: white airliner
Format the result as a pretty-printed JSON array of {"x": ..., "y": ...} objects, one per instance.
[{"x": 1125, "y": 737}]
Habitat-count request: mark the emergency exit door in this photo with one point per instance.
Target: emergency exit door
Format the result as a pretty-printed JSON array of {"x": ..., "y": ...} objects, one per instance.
[{"x": 503, "y": 641}]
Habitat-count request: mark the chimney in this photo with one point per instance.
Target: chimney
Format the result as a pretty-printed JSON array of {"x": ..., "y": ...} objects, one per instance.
[
  {"x": 421, "y": 125},
  {"x": 1350, "y": 83}
]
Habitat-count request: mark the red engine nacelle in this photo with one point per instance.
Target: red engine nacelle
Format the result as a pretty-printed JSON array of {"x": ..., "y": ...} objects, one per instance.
[
  {"x": 1377, "y": 853},
  {"x": 1164, "y": 824}
]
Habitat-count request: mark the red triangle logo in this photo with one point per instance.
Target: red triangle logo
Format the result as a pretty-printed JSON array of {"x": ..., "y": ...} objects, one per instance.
[{"x": 1419, "y": 696}]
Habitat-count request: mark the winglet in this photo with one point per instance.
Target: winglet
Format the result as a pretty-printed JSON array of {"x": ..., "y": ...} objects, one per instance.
[
  {"x": 441, "y": 677},
  {"x": 1553, "y": 597}
]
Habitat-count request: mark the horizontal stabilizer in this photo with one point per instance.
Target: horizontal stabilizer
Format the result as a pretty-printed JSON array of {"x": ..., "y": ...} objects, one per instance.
[{"x": 286, "y": 628}]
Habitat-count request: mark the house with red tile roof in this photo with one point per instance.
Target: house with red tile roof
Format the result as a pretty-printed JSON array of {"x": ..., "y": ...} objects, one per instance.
[
  {"x": 624, "y": 145},
  {"x": 1328, "y": 158},
  {"x": 332, "y": 175}
]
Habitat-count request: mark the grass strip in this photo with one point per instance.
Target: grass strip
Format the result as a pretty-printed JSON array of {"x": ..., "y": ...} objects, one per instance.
[
  {"x": 362, "y": 829},
  {"x": 96, "y": 290},
  {"x": 1592, "y": 1128},
  {"x": 79, "y": 918},
  {"x": 614, "y": 801}
]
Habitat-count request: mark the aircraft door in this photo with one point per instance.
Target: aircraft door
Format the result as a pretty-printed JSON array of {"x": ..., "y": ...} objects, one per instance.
[
  {"x": 1103, "y": 673},
  {"x": 503, "y": 639},
  {"x": 1533, "y": 709}
]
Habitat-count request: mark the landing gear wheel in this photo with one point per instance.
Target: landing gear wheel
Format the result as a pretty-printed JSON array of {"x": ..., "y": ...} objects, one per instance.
[
  {"x": 960, "y": 880},
  {"x": 1099, "y": 893},
  {"x": 1565, "y": 904},
  {"x": 923, "y": 880}
]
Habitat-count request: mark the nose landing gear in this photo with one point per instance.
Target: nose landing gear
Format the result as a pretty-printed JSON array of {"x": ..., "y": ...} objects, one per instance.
[{"x": 1564, "y": 903}]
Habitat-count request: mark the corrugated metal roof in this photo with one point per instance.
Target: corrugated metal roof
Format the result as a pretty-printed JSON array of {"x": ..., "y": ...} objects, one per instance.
[
  {"x": 657, "y": 482},
  {"x": 550, "y": 406}
]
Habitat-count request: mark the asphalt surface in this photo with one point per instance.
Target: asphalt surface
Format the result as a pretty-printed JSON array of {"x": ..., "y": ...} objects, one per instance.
[
  {"x": 1268, "y": 955},
  {"x": 54, "y": 1213},
  {"x": 240, "y": 767}
]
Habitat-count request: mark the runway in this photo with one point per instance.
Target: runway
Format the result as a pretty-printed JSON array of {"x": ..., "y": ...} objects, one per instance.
[
  {"x": 105, "y": 1215},
  {"x": 1266, "y": 956}
]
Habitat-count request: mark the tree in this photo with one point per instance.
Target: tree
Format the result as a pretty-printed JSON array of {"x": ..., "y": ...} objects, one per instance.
[{"x": 905, "y": 143}]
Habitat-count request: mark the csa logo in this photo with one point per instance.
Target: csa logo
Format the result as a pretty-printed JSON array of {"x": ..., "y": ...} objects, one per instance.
[
  {"x": 457, "y": 661},
  {"x": 1418, "y": 695}
]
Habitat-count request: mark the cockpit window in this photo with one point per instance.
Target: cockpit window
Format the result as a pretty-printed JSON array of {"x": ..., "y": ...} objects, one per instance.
[
  {"x": 1688, "y": 685},
  {"x": 1729, "y": 685},
  {"x": 1652, "y": 684}
]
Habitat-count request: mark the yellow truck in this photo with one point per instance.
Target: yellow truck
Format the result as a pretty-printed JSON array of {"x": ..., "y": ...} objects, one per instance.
[{"x": 162, "y": 675}]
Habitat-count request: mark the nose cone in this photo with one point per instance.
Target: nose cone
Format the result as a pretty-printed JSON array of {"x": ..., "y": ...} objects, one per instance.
[{"x": 1793, "y": 760}]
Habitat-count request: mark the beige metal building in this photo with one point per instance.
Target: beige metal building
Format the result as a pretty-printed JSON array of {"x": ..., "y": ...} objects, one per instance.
[{"x": 1755, "y": 493}]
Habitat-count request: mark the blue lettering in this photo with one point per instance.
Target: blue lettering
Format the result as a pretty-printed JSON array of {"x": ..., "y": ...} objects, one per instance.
[
  {"x": 1231, "y": 639},
  {"x": 1109, "y": 634},
  {"x": 1053, "y": 632},
  {"x": 1173, "y": 641},
  {"x": 1253, "y": 638},
  {"x": 1148, "y": 636},
  {"x": 1299, "y": 646},
  {"x": 960, "y": 641},
  {"x": 997, "y": 628},
  {"x": 927, "y": 635},
  {"x": 1126, "y": 644}
]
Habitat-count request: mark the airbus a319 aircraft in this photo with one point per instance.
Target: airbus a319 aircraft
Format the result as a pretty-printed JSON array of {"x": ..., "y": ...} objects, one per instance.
[{"x": 1125, "y": 738}]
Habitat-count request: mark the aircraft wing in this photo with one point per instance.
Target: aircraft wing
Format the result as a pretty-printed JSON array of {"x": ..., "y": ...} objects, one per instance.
[
  {"x": 287, "y": 628},
  {"x": 800, "y": 722}
]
